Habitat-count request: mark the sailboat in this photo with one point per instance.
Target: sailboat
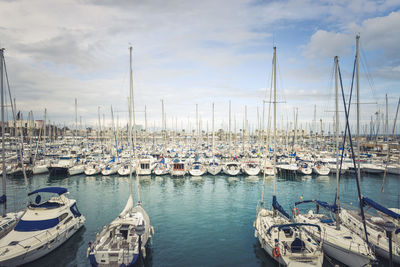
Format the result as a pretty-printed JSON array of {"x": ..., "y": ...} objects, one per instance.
[
  {"x": 371, "y": 232},
  {"x": 286, "y": 242},
  {"x": 214, "y": 167},
  {"x": 339, "y": 242},
  {"x": 123, "y": 242}
]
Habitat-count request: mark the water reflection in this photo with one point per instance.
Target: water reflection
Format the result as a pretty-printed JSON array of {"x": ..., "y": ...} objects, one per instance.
[
  {"x": 252, "y": 179},
  {"x": 65, "y": 254},
  {"x": 196, "y": 179}
]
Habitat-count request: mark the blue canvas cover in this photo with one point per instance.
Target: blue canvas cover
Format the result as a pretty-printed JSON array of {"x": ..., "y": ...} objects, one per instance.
[
  {"x": 29, "y": 226},
  {"x": 278, "y": 207},
  {"x": 56, "y": 190},
  {"x": 367, "y": 201}
]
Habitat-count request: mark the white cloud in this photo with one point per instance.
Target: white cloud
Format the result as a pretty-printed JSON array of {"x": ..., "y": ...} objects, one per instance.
[
  {"x": 185, "y": 52},
  {"x": 324, "y": 44}
]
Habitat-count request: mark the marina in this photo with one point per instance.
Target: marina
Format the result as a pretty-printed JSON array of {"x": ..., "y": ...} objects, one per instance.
[
  {"x": 228, "y": 133},
  {"x": 216, "y": 219}
]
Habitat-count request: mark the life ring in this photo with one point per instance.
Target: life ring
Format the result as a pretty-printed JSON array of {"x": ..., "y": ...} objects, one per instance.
[
  {"x": 276, "y": 252},
  {"x": 295, "y": 211}
]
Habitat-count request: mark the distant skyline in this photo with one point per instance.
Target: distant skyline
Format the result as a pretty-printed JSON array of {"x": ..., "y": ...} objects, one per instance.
[{"x": 198, "y": 52}]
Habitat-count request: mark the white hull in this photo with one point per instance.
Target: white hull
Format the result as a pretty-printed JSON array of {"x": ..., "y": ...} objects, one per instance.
[
  {"x": 305, "y": 171},
  {"x": 320, "y": 170},
  {"x": 34, "y": 254},
  {"x": 124, "y": 171},
  {"x": 231, "y": 169},
  {"x": 39, "y": 169},
  {"x": 214, "y": 170},
  {"x": 90, "y": 172},
  {"x": 269, "y": 171},
  {"x": 393, "y": 170},
  {"x": 178, "y": 173},
  {"x": 376, "y": 238},
  {"x": 345, "y": 256},
  {"x": 144, "y": 171},
  {"x": 160, "y": 172},
  {"x": 111, "y": 171},
  {"x": 199, "y": 172},
  {"x": 76, "y": 170},
  {"x": 252, "y": 171},
  {"x": 342, "y": 245}
]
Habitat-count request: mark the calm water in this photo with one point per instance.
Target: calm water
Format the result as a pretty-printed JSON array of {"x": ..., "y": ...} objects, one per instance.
[{"x": 207, "y": 223}]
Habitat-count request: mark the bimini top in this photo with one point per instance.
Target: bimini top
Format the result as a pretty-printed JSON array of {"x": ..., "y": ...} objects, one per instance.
[{"x": 56, "y": 190}]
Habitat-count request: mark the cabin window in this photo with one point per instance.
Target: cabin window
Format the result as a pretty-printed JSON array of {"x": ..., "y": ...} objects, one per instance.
[
  {"x": 144, "y": 166},
  {"x": 68, "y": 220},
  {"x": 29, "y": 226},
  {"x": 62, "y": 217}
]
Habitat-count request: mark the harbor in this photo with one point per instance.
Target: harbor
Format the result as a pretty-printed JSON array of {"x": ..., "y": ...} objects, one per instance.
[
  {"x": 229, "y": 133},
  {"x": 195, "y": 223}
]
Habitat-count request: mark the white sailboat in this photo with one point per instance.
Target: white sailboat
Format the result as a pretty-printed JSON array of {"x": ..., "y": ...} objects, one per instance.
[
  {"x": 197, "y": 168},
  {"x": 339, "y": 242},
  {"x": 231, "y": 168},
  {"x": 162, "y": 167},
  {"x": 371, "y": 232},
  {"x": 123, "y": 242},
  {"x": 286, "y": 242},
  {"x": 214, "y": 166},
  {"x": 251, "y": 167}
]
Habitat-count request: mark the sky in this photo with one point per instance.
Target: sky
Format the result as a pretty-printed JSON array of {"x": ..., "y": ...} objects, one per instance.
[{"x": 200, "y": 52}]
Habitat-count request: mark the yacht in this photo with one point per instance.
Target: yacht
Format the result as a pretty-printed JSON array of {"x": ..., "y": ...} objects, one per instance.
[{"x": 50, "y": 219}]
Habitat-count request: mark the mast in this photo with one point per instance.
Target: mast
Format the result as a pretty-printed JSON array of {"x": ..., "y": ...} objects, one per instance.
[
  {"x": 337, "y": 142},
  {"x": 358, "y": 109},
  {"x": 145, "y": 124},
  {"x": 134, "y": 127},
  {"x": 197, "y": 123},
  {"x": 212, "y": 129},
  {"x": 230, "y": 125},
  {"x": 162, "y": 120},
  {"x": 76, "y": 120},
  {"x": 130, "y": 121},
  {"x": 387, "y": 119},
  {"x": 98, "y": 114},
  {"x": 45, "y": 132},
  {"x": 3, "y": 152},
  {"x": 114, "y": 133},
  {"x": 274, "y": 163}
]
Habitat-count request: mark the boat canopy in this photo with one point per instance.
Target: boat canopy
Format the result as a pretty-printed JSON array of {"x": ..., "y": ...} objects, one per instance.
[
  {"x": 326, "y": 205},
  {"x": 284, "y": 226},
  {"x": 278, "y": 207},
  {"x": 56, "y": 190},
  {"x": 369, "y": 202}
]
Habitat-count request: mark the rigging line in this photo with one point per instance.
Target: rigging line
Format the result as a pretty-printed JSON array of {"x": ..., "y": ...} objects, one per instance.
[
  {"x": 368, "y": 75},
  {"x": 354, "y": 160},
  {"x": 347, "y": 125},
  {"x": 15, "y": 124},
  {"x": 388, "y": 153}
]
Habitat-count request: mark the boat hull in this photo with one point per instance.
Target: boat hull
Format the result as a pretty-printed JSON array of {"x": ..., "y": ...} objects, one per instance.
[
  {"x": 57, "y": 171},
  {"x": 35, "y": 254}
]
